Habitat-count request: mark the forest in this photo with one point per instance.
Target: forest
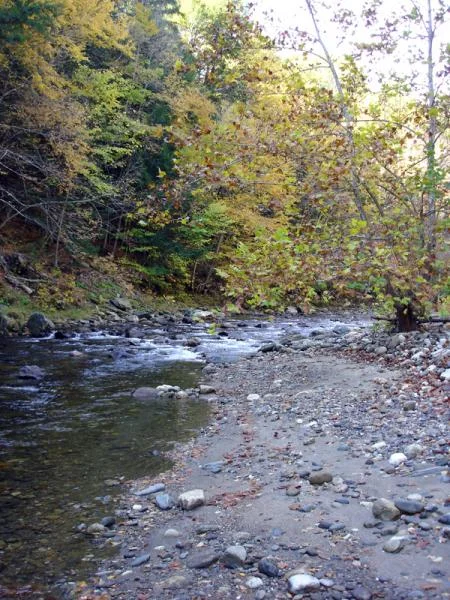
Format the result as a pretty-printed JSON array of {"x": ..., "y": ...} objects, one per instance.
[{"x": 206, "y": 150}]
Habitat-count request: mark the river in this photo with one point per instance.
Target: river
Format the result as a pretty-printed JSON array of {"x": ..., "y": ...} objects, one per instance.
[{"x": 69, "y": 441}]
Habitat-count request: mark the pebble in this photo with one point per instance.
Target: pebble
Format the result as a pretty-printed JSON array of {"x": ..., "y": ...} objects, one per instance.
[
  {"x": 203, "y": 560},
  {"x": 302, "y": 582},
  {"x": 234, "y": 556},
  {"x": 397, "y": 459},
  {"x": 164, "y": 501},
  {"x": 361, "y": 593},
  {"x": 320, "y": 477},
  {"x": 152, "y": 489},
  {"x": 409, "y": 507},
  {"x": 385, "y": 510},
  {"x": 254, "y": 582},
  {"x": 96, "y": 529},
  {"x": 171, "y": 533},
  {"x": 191, "y": 499},
  {"x": 394, "y": 545},
  {"x": 141, "y": 560},
  {"x": 445, "y": 519},
  {"x": 268, "y": 567},
  {"x": 176, "y": 582},
  {"x": 206, "y": 389}
]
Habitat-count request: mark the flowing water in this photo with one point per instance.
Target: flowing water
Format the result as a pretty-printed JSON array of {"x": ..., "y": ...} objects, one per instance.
[{"x": 69, "y": 441}]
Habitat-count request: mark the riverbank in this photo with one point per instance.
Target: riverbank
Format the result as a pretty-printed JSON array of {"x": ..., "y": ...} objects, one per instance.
[{"x": 324, "y": 474}]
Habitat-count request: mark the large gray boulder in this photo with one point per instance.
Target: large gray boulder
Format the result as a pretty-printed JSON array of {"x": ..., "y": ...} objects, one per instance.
[
  {"x": 121, "y": 303},
  {"x": 39, "y": 325}
]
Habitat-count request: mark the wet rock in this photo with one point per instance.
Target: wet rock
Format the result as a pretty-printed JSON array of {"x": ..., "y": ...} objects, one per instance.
[
  {"x": 141, "y": 560},
  {"x": 96, "y": 529},
  {"x": 193, "y": 342},
  {"x": 39, "y": 325},
  {"x": 234, "y": 556},
  {"x": 409, "y": 507},
  {"x": 320, "y": 477},
  {"x": 268, "y": 567},
  {"x": 108, "y": 521},
  {"x": 203, "y": 560},
  {"x": 31, "y": 372},
  {"x": 385, "y": 510},
  {"x": 192, "y": 499},
  {"x": 269, "y": 347},
  {"x": 151, "y": 489},
  {"x": 164, "y": 501},
  {"x": 146, "y": 393},
  {"x": 121, "y": 303},
  {"x": 302, "y": 582}
]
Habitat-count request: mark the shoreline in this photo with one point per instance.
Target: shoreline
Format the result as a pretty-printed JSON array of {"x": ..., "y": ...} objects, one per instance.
[{"x": 266, "y": 529}]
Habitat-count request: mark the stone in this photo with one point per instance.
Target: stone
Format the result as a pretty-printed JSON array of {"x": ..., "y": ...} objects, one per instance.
[
  {"x": 361, "y": 593},
  {"x": 234, "y": 556},
  {"x": 409, "y": 405},
  {"x": 214, "y": 467},
  {"x": 192, "y": 342},
  {"x": 254, "y": 582},
  {"x": 191, "y": 499},
  {"x": 39, "y": 325},
  {"x": 202, "y": 560},
  {"x": 176, "y": 582},
  {"x": 445, "y": 519},
  {"x": 413, "y": 450},
  {"x": 292, "y": 490},
  {"x": 141, "y": 560},
  {"x": 385, "y": 510},
  {"x": 164, "y": 501},
  {"x": 96, "y": 529},
  {"x": 380, "y": 350},
  {"x": 31, "y": 372},
  {"x": 4, "y": 325},
  {"x": 108, "y": 521},
  {"x": 121, "y": 303},
  {"x": 302, "y": 582},
  {"x": 146, "y": 393},
  {"x": 171, "y": 533},
  {"x": 320, "y": 477},
  {"x": 151, "y": 489},
  {"x": 268, "y": 567},
  {"x": 445, "y": 375},
  {"x": 253, "y": 397},
  {"x": 206, "y": 389},
  {"x": 409, "y": 507},
  {"x": 397, "y": 459},
  {"x": 394, "y": 545}
]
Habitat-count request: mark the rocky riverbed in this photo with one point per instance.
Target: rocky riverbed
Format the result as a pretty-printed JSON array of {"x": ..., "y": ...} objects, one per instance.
[{"x": 323, "y": 474}]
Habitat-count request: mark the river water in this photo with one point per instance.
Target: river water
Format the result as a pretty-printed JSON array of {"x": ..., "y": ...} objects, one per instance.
[{"x": 69, "y": 441}]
